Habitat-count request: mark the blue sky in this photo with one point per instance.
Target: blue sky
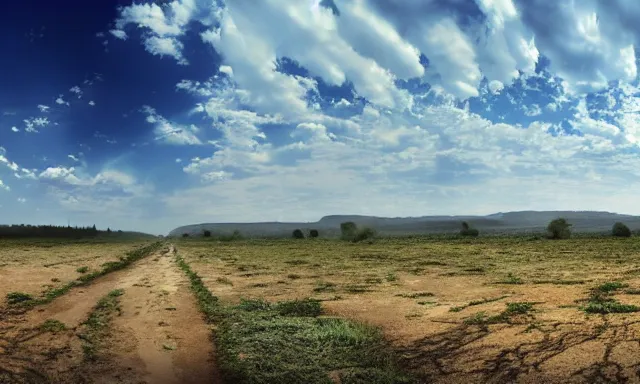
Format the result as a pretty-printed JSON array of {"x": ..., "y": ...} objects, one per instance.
[{"x": 151, "y": 115}]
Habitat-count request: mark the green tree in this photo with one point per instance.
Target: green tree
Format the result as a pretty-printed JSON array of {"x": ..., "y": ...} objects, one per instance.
[
  {"x": 314, "y": 233},
  {"x": 348, "y": 230},
  {"x": 559, "y": 229},
  {"x": 206, "y": 233},
  {"x": 620, "y": 230},
  {"x": 467, "y": 230},
  {"x": 297, "y": 234}
]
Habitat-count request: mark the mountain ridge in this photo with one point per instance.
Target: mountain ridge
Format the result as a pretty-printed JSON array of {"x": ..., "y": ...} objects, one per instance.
[{"x": 513, "y": 221}]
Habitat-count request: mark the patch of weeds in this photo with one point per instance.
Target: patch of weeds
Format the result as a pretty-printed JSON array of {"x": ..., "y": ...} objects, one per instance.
[
  {"x": 14, "y": 298},
  {"x": 632, "y": 291},
  {"x": 427, "y": 302},
  {"x": 532, "y": 327},
  {"x": 169, "y": 347},
  {"x": 259, "y": 285},
  {"x": 324, "y": 286},
  {"x": 83, "y": 269},
  {"x": 293, "y": 276},
  {"x": 53, "y": 326},
  {"x": 475, "y": 270},
  {"x": 357, "y": 288},
  {"x": 416, "y": 271},
  {"x": 611, "y": 286},
  {"x": 224, "y": 280},
  {"x": 96, "y": 327},
  {"x": 259, "y": 342},
  {"x": 55, "y": 280},
  {"x": 513, "y": 309},
  {"x": 415, "y": 295},
  {"x": 373, "y": 280},
  {"x": 601, "y": 300},
  {"x": 511, "y": 279},
  {"x": 559, "y": 282},
  {"x": 601, "y": 328},
  {"x": 390, "y": 277}
]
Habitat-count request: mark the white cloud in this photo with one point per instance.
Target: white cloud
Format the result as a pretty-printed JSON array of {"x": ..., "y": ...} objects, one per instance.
[
  {"x": 21, "y": 200},
  {"x": 171, "y": 133},
  {"x": 119, "y": 34},
  {"x": 43, "y": 108},
  {"x": 15, "y": 129},
  {"x": 169, "y": 46},
  {"x": 3, "y": 186},
  {"x": 72, "y": 157},
  {"x": 77, "y": 91},
  {"x": 61, "y": 101},
  {"x": 92, "y": 103}
]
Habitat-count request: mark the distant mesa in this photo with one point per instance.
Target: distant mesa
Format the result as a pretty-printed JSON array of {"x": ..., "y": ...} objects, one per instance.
[{"x": 501, "y": 222}]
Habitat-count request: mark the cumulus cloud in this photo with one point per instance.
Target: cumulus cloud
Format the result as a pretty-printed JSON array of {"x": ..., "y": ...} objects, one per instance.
[
  {"x": 3, "y": 186},
  {"x": 15, "y": 129},
  {"x": 61, "y": 101},
  {"x": 92, "y": 103},
  {"x": 43, "y": 108}
]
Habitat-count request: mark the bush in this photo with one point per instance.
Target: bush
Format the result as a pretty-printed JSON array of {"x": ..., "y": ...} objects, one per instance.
[
  {"x": 314, "y": 233},
  {"x": 185, "y": 235},
  {"x": 559, "y": 229},
  {"x": 468, "y": 231},
  {"x": 620, "y": 230},
  {"x": 206, "y": 233},
  {"x": 348, "y": 230},
  {"x": 364, "y": 234},
  {"x": 297, "y": 234}
]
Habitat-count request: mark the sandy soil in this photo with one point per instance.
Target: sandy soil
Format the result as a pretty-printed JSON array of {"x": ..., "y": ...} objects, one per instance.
[{"x": 158, "y": 337}]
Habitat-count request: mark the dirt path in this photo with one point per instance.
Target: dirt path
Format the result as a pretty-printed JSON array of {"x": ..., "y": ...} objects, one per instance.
[{"x": 159, "y": 337}]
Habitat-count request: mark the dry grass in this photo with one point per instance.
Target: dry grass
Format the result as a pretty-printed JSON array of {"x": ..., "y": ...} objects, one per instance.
[
  {"x": 464, "y": 279},
  {"x": 33, "y": 267}
]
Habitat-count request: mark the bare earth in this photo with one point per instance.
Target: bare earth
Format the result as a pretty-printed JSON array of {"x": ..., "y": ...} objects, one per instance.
[{"x": 158, "y": 337}]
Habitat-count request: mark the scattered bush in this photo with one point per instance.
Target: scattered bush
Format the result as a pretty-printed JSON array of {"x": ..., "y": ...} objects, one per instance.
[
  {"x": 559, "y": 229},
  {"x": 364, "y": 234},
  {"x": 348, "y": 230},
  {"x": 297, "y": 234},
  {"x": 314, "y": 233},
  {"x": 620, "y": 230},
  {"x": 467, "y": 230},
  {"x": 18, "y": 297},
  {"x": 206, "y": 233},
  {"x": 82, "y": 269}
]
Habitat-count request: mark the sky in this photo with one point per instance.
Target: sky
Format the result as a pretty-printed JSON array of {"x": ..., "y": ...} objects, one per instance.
[{"x": 151, "y": 115}]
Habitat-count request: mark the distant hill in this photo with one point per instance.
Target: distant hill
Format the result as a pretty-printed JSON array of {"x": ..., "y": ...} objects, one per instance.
[{"x": 507, "y": 222}]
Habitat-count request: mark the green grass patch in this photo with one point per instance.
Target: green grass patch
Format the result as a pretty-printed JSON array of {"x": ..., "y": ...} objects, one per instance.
[
  {"x": 14, "y": 298},
  {"x": 53, "y": 326},
  {"x": 261, "y": 342},
  {"x": 324, "y": 286},
  {"x": 84, "y": 269},
  {"x": 601, "y": 300},
  {"x": 632, "y": 291},
  {"x": 513, "y": 309},
  {"x": 96, "y": 327}
]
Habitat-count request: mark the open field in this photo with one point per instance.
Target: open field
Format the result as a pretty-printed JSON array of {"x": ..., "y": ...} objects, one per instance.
[
  {"x": 438, "y": 310},
  {"x": 479, "y": 310}
]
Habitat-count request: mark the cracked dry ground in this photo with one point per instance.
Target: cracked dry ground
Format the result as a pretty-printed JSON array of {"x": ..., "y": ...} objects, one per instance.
[{"x": 157, "y": 334}]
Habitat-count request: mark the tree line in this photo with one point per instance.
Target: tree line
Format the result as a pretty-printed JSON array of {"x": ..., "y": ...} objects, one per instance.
[{"x": 20, "y": 231}]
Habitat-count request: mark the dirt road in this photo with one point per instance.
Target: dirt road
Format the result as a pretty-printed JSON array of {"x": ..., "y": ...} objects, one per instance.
[{"x": 156, "y": 335}]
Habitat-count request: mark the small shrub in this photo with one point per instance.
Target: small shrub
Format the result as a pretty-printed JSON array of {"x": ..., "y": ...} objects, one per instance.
[
  {"x": 470, "y": 232},
  {"x": 314, "y": 233},
  {"x": 206, "y": 233},
  {"x": 82, "y": 269},
  {"x": 18, "y": 297},
  {"x": 297, "y": 234},
  {"x": 53, "y": 326},
  {"x": 348, "y": 230},
  {"x": 559, "y": 229},
  {"x": 185, "y": 235},
  {"x": 253, "y": 305},
  {"x": 620, "y": 230}
]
